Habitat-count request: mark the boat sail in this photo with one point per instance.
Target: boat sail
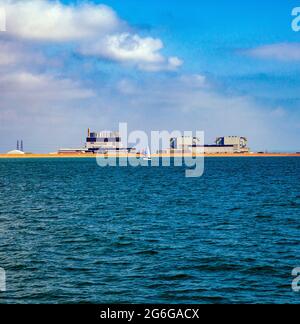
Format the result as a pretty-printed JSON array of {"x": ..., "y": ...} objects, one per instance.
[{"x": 147, "y": 154}]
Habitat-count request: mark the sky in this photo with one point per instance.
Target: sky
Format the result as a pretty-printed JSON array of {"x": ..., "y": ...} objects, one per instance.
[{"x": 225, "y": 67}]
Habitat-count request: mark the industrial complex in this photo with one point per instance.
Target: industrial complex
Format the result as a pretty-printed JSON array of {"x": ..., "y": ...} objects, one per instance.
[{"x": 111, "y": 143}]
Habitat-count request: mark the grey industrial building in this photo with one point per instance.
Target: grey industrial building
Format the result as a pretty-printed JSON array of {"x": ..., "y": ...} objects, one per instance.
[
  {"x": 102, "y": 143},
  {"x": 223, "y": 145}
]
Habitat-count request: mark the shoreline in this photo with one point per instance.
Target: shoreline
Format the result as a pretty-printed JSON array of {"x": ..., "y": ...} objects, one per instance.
[{"x": 80, "y": 156}]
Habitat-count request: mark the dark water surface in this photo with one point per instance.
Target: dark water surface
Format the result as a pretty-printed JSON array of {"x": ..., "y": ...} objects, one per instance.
[{"x": 71, "y": 231}]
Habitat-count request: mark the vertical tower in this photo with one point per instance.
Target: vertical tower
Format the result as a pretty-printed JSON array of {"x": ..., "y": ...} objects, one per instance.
[
  {"x": 89, "y": 133},
  {"x": 22, "y": 148},
  {"x": 18, "y": 146}
]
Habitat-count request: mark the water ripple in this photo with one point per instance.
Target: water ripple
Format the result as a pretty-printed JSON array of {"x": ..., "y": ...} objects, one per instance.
[{"x": 71, "y": 232}]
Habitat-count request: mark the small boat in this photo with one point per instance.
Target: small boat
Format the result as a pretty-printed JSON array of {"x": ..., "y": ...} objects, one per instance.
[{"x": 147, "y": 154}]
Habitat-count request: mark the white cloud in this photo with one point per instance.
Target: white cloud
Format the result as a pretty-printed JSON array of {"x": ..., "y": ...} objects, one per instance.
[
  {"x": 280, "y": 52},
  {"x": 43, "y": 20},
  {"x": 95, "y": 29},
  {"x": 168, "y": 64},
  {"x": 195, "y": 80},
  {"x": 13, "y": 54},
  {"x": 131, "y": 48},
  {"x": 9, "y": 53},
  {"x": 127, "y": 47},
  {"x": 22, "y": 86}
]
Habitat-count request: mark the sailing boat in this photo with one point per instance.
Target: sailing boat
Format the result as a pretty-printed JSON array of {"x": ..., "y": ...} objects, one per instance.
[{"x": 147, "y": 155}]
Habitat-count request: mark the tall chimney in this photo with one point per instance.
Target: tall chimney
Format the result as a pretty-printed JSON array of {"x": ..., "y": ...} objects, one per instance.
[
  {"x": 22, "y": 148},
  {"x": 89, "y": 132},
  {"x": 18, "y": 147}
]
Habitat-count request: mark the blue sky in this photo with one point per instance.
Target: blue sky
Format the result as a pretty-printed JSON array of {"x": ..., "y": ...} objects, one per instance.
[{"x": 226, "y": 67}]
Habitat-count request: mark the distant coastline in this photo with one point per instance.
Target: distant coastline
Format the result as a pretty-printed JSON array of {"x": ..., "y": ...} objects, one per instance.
[{"x": 60, "y": 156}]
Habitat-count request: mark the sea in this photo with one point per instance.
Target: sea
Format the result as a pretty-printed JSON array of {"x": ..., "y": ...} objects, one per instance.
[{"x": 74, "y": 232}]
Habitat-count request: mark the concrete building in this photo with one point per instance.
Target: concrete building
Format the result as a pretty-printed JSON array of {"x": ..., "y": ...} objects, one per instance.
[
  {"x": 72, "y": 151},
  {"x": 106, "y": 142},
  {"x": 224, "y": 145},
  {"x": 214, "y": 149},
  {"x": 239, "y": 143},
  {"x": 103, "y": 143},
  {"x": 184, "y": 142}
]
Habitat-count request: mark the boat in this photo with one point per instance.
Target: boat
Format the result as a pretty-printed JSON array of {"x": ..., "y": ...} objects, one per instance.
[{"x": 147, "y": 154}]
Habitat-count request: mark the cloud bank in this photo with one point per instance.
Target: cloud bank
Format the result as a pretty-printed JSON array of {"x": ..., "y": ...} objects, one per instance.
[
  {"x": 95, "y": 29},
  {"x": 131, "y": 48},
  {"x": 52, "y": 21},
  {"x": 281, "y": 52}
]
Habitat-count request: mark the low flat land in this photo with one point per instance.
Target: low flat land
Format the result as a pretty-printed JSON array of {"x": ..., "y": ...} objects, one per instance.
[{"x": 60, "y": 156}]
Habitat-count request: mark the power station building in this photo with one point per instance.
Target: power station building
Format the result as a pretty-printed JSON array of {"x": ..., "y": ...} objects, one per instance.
[
  {"x": 102, "y": 143},
  {"x": 105, "y": 142},
  {"x": 223, "y": 145},
  {"x": 240, "y": 144}
]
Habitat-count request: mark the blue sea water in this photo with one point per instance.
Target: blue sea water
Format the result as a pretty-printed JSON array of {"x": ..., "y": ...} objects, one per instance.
[{"x": 72, "y": 232}]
